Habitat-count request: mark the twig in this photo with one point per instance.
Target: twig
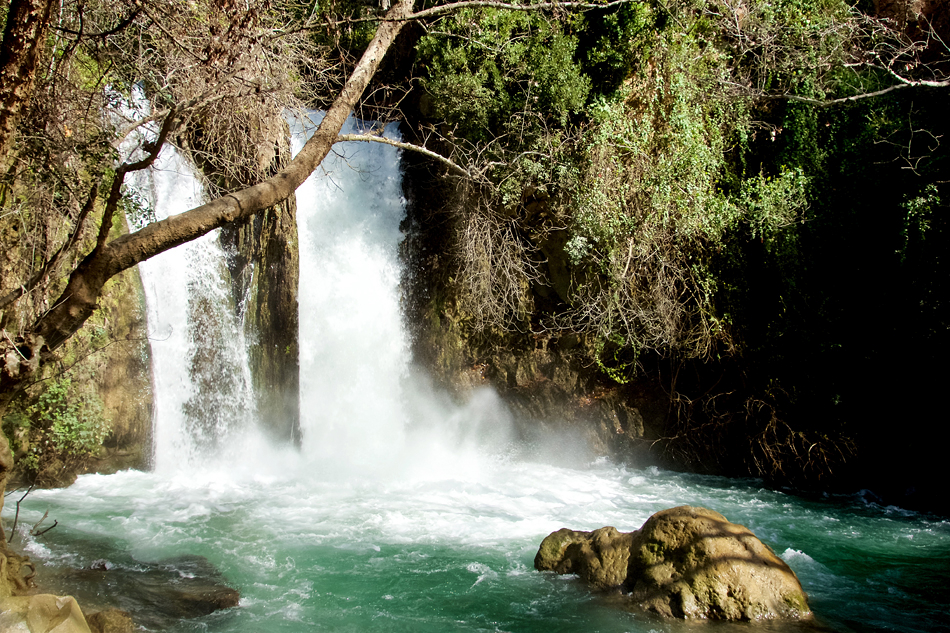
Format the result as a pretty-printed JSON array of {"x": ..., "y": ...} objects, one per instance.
[
  {"x": 407, "y": 146},
  {"x": 33, "y": 531},
  {"x": 17, "y": 515},
  {"x": 55, "y": 523}
]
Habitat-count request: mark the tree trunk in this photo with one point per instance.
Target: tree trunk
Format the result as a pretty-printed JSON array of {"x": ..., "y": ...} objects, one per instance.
[{"x": 23, "y": 36}]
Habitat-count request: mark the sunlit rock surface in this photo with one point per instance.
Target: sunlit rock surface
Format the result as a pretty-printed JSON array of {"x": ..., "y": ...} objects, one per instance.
[
  {"x": 110, "y": 621},
  {"x": 684, "y": 562},
  {"x": 42, "y": 613}
]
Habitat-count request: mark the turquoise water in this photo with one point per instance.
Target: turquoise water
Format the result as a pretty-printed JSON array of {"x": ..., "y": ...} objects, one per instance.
[{"x": 453, "y": 551}]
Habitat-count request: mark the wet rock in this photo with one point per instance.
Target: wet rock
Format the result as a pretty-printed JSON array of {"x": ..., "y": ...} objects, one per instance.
[
  {"x": 110, "y": 621},
  {"x": 693, "y": 563},
  {"x": 600, "y": 557},
  {"x": 43, "y": 613},
  {"x": 684, "y": 562},
  {"x": 156, "y": 595}
]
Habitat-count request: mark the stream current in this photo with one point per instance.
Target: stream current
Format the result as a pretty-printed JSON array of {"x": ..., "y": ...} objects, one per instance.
[{"x": 403, "y": 511}]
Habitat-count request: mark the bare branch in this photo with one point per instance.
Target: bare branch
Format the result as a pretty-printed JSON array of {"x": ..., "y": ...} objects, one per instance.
[
  {"x": 465, "y": 4},
  {"x": 508, "y": 6},
  {"x": 371, "y": 138},
  {"x": 104, "y": 34},
  {"x": 53, "y": 261},
  {"x": 115, "y": 193}
]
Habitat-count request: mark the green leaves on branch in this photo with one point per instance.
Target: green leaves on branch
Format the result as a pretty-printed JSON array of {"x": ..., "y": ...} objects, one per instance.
[
  {"x": 64, "y": 419},
  {"x": 489, "y": 70}
]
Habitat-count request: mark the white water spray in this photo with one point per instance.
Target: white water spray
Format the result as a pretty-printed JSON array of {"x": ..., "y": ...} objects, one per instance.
[{"x": 352, "y": 342}]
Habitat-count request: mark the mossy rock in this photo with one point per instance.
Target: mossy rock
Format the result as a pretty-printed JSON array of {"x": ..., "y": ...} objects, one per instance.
[{"x": 685, "y": 562}]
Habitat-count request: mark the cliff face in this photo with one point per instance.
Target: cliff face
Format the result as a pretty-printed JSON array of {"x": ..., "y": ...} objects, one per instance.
[
  {"x": 547, "y": 378},
  {"x": 264, "y": 269},
  {"x": 92, "y": 411},
  {"x": 122, "y": 375}
]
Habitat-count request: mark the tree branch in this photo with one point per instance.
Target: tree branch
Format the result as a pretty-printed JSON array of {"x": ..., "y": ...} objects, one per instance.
[
  {"x": 79, "y": 299},
  {"x": 464, "y": 4},
  {"x": 121, "y": 25},
  {"x": 115, "y": 193},
  {"x": 53, "y": 261},
  {"x": 372, "y": 138},
  {"x": 508, "y": 6}
]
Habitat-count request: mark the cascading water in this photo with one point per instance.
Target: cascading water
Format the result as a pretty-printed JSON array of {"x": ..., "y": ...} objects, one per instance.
[
  {"x": 353, "y": 351},
  {"x": 404, "y": 513},
  {"x": 202, "y": 394}
]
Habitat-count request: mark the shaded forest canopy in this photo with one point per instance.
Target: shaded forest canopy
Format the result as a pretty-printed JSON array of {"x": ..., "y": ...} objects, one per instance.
[{"x": 744, "y": 202}]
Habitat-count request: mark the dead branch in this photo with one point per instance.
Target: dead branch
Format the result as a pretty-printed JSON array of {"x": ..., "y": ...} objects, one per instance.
[
  {"x": 16, "y": 517},
  {"x": 372, "y": 138}
]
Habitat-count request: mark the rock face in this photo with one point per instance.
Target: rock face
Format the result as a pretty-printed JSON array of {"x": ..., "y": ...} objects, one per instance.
[
  {"x": 684, "y": 562},
  {"x": 42, "y": 613},
  {"x": 548, "y": 379},
  {"x": 264, "y": 265}
]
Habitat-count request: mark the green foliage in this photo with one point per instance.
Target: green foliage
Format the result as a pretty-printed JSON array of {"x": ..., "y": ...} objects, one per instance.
[
  {"x": 493, "y": 72},
  {"x": 917, "y": 220},
  {"x": 64, "y": 418},
  {"x": 652, "y": 209},
  {"x": 617, "y": 358},
  {"x": 611, "y": 43},
  {"x": 136, "y": 208}
]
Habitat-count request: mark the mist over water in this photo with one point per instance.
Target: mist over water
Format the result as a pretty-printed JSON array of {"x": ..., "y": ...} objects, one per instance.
[{"x": 404, "y": 511}]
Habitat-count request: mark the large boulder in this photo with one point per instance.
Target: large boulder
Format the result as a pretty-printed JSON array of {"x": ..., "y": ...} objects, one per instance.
[{"x": 684, "y": 562}]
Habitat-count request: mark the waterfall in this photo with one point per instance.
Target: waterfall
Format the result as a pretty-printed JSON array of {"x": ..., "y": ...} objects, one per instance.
[
  {"x": 363, "y": 409},
  {"x": 352, "y": 341},
  {"x": 201, "y": 383}
]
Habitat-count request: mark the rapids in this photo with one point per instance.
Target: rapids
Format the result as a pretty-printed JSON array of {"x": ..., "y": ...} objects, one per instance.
[{"x": 402, "y": 511}]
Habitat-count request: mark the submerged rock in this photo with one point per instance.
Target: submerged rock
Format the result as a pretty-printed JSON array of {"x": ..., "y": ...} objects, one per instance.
[
  {"x": 157, "y": 596},
  {"x": 684, "y": 562},
  {"x": 110, "y": 621}
]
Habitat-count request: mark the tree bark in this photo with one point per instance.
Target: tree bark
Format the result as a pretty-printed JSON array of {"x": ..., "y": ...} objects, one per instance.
[{"x": 23, "y": 36}]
